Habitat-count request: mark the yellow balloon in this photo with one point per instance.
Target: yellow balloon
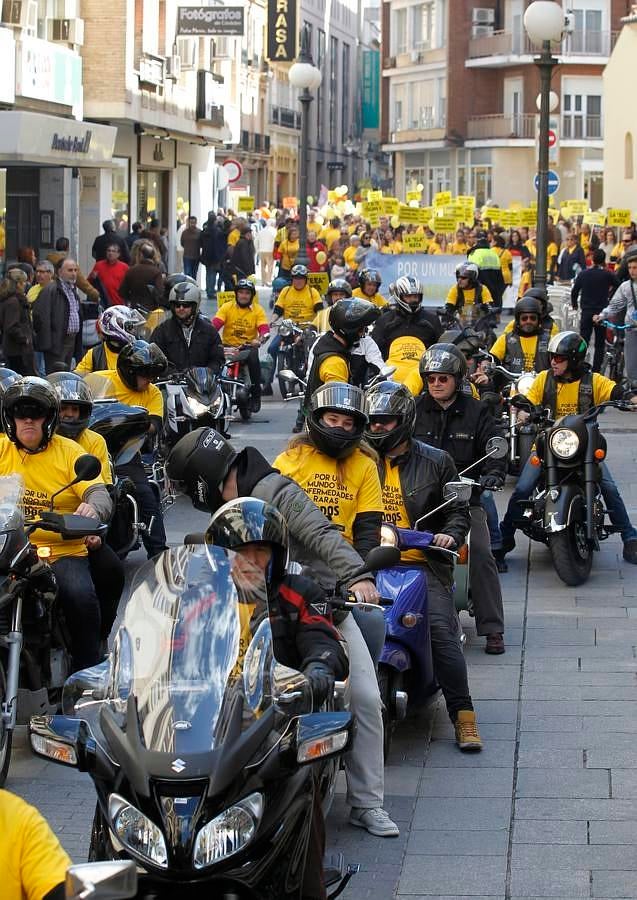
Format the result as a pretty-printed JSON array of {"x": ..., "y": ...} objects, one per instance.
[
  {"x": 420, "y": 187},
  {"x": 394, "y": 221},
  {"x": 321, "y": 257}
]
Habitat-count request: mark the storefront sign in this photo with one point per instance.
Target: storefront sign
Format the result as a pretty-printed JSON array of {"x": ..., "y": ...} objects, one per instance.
[
  {"x": 51, "y": 140},
  {"x": 71, "y": 144},
  {"x": 282, "y": 28},
  {"x": 210, "y": 20},
  {"x": 7, "y": 54},
  {"x": 157, "y": 154},
  {"x": 47, "y": 71},
  {"x": 371, "y": 88}
]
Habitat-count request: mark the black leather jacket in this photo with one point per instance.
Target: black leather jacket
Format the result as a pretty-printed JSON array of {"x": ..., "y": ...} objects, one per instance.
[
  {"x": 394, "y": 323},
  {"x": 424, "y": 471},
  {"x": 463, "y": 430},
  {"x": 205, "y": 345}
]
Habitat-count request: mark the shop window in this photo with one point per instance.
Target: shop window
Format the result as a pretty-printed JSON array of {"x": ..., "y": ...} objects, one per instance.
[
  {"x": 183, "y": 194},
  {"x": 120, "y": 197},
  {"x": 628, "y": 156}
]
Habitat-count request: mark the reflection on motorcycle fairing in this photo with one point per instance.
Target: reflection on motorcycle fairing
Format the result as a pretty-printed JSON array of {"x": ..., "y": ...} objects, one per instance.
[{"x": 405, "y": 353}]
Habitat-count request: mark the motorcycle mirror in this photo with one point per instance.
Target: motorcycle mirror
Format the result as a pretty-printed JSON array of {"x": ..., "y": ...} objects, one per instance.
[
  {"x": 288, "y": 375},
  {"x": 387, "y": 371},
  {"x": 457, "y": 490},
  {"x": 522, "y": 402},
  {"x": 86, "y": 467},
  {"x": 101, "y": 880},
  {"x": 382, "y": 558},
  {"x": 497, "y": 447}
]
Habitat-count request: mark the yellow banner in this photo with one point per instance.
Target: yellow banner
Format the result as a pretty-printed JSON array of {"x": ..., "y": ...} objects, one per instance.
[
  {"x": 510, "y": 218},
  {"x": 579, "y": 207},
  {"x": 528, "y": 217},
  {"x": 492, "y": 212},
  {"x": 413, "y": 195},
  {"x": 594, "y": 218},
  {"x": 225, "y": 297},
  {"x": 411, "y": 215},
  {"x": 319, "y": 280},
  {"x": 374, "y": 195},
  {"x": 290, "y": 203},
  {"x": 444, "y": 224},
  {"x": 442, "y": 198},
  {"x": 414, "y": 243},
  {"x": 618, "y": 217},
  {"x": 466, "y": 200},
  {"x": 245, "y": 204},
  {"x": 389, "y": 206}
]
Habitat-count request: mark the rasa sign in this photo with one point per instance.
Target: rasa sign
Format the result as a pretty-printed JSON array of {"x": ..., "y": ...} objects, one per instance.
[{"x": 282, "y": 29}]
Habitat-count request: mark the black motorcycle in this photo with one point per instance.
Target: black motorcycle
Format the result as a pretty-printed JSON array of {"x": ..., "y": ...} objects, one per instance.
[
  {"x": 192, "y": 399},
  {"x": 34, "y": 641},
  {"x": 293, "y": 353},
  {"x": 566, "y": 511},
  {"x": 202, "y": 747}
]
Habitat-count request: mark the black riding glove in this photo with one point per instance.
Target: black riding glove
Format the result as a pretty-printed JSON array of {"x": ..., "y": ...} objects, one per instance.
[
  {"x": 491, "y": 482},
  {"x": 321, "y": 680}
]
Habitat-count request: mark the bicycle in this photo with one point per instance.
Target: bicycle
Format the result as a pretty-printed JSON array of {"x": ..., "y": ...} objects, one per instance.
[{"x": 613, "y": 364}]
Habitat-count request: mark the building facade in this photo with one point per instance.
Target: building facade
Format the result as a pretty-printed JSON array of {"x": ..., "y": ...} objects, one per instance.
[
  {"x": 620, "y": 132},
  {"x": 459, "y": 97}
]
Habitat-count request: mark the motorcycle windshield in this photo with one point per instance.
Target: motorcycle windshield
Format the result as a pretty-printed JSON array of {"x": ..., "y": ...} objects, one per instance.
[
  {"x": 195, "y": 651},
  {"x": 201, "y": 380},
  {"x": 101, "y": 386},
  {"x": 11, "y": 489}
]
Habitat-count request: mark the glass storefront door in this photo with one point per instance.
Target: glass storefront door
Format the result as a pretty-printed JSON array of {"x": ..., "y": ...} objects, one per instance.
[{"x": 152, "y": 196}]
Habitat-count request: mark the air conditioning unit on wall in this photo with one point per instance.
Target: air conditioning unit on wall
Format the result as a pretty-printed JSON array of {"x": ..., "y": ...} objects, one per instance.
[
  {"x": 482, "y": 16},
  {"x": 21, "y": 14},
  {"x": 66, "y": 31},
  {"x": 481, "y": 31}
]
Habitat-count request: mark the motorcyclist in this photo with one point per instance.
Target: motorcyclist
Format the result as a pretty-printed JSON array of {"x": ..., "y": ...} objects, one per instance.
[
  {"x": 369, "y": 282},
  {"x": 214, "y": 472},
  {"x": 569, "y": 387},
  {"x": 303, "y": 638},
  {"x": 298, "y": 301},
  {"x": 138, "y": 365},
  {"x": 244, "y": 322},
  {"x": 467, "y": 293},
  {"x": 187, "y": 339},
  {"x": 525, "y": 347},
  {"x": 76, "y": 406},
  {"x": 453, "y": 421},
  {"x": 44, "y": 461},
  {"x": 7, "y": 378},
  {"x": 413, "y": 476},
  {"x": 405, "y": 330},
  {"x": 116, "y": 328},
  {"x": 34, "y": 864},
  {"x": 548, "y": 322},
  {"x": 337, "y": 289}
]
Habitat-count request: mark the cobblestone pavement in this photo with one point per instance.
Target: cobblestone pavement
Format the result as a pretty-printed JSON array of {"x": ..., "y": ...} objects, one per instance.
[{"x": 548, "y": 809}]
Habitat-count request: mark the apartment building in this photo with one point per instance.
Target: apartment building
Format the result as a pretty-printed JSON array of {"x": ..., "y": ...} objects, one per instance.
[
  {"x": 459, "y": 97},
  {"x": 620, "y": 131}
]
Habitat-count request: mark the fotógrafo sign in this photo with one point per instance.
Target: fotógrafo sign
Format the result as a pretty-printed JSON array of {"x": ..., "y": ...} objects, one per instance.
[{"x": 210, "y": 20}]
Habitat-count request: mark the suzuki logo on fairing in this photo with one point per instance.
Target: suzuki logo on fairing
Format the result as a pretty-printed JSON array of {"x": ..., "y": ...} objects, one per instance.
[{"x": 178, "y": 766}]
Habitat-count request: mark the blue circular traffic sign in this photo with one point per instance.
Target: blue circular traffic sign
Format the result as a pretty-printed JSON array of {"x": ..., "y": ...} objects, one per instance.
[{"x": 554, "y": 182}]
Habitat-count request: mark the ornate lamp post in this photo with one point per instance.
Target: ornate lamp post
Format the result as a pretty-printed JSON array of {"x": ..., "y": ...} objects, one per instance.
[
  {"x": 306, "y": 77},
  {"x": 544, "y": 22}
]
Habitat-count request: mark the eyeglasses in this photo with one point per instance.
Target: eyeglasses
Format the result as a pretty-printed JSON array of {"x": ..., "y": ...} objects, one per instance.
[
  {"x": 529, "y": 317},
  {"x": 179, "y": 305},
  {"x": 440, "y": 379},
  {"x": 558, "y": 358}
]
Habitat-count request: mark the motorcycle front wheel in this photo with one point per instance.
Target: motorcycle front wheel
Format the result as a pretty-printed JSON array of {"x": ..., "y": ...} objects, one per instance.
[
  {"x": 99, "y": 848},
  {"x": 572, "y": 554},
  {"x": 6, "y": 736},
  {"x": 389, "y": 681}
]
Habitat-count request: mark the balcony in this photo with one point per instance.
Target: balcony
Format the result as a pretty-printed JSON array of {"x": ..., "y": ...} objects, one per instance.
[
  {"x": 287, "y": 118},
  {"x": 581, "y": 128},
  {"x": 424, "y": 128},
  {"x": 505, "y": 48},
  {"x": 501, "y": 127}
]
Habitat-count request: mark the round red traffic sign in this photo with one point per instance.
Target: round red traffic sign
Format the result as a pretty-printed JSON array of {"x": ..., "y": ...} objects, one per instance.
[
  {"x": 552, "y": 138},
  {"x": 234, "y": 169}
]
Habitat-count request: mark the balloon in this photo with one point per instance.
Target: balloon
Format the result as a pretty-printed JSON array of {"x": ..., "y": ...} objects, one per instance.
[
  {"x": 319, "y": 220},
  {"x": 420, "y": 187},
  {"x": 394, "y": 221},
  {"x": 321, "y": 257},
  {"x": 341, "y": 191},
  {"x": 310, "y": 200}
]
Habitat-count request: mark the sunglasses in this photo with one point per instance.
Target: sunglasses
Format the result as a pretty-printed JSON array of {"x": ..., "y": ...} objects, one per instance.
[
  {"x": 530, "y": 317},
  {"x": 558, "y": 358},
  {"x": 28, "y": 411},
  {"x": 441, "y": 379},
  {"x": 179, "y": 305}
]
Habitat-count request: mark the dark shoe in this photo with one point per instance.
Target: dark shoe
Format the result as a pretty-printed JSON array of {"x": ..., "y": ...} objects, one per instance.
[
  {"x": 494, "y": 644},
  {"x": 500, "y": 562},
  {"x": 255, "y": 404},
  {"x": 630, "y": 551},
  {"x": 508, "y": 544},
  {"x": 267, "y": 391},
  {"x": 298, "y": 428}
]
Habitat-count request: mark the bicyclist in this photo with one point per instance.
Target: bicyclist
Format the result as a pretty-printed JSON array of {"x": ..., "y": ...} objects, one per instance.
[
  {"x": 625, "y": 301},
  {"x": 45, "y": 462},
  {"x": 244, "y": 322}
]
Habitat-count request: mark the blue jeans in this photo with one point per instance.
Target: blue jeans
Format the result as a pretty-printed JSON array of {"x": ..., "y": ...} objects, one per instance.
[
  {"x": 191, "y": 267},
  {"x": 527, "y": 481},
  {"x": 488, "y": 505},
  {"x": 273, "y": 351},
  {"x": 78, "y": 600}
]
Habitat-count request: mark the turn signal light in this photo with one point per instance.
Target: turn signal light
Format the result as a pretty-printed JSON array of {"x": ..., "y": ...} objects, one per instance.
[
  {"x": 44, "y": 552},
  {"x": 599, "y": 453},
  {"x": 535, "y": 460},
  {"x": 463, "y": 555}
]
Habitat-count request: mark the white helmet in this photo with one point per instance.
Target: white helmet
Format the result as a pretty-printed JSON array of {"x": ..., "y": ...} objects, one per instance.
[
  {"x": 185, "y": 292},
  {"x": 407, "y": 286}
]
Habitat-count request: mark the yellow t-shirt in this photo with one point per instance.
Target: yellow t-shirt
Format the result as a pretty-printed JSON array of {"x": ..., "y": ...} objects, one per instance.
[
  {"x": 405, "y": 352},
  {"x": 32, "y": 860},
  {"x": 377, "y": 299},
  {"x": 289, "y": 251},
  {"x": 509, "y": 327},
  {"x": 458, "y": 248},
  {"x": 348, "y": 256},
  {"x": 85, "y": 365},
  {"x": 395, "y": 511},
  {"x": 233, "y": 237},
  {"x": 506, "y": 263},
  {"x": 469, "y": 296},
  {"x": 339, "y": 501},
  {"x": 298, "y": 305},
  {"x": 321, "y": 320},
  {"x": 568, "y": 393},
  {"x": 240, "y": 323},
  {"x": 151, "y": 399},
  {"x": 551, "y": 252},
  {"x": 43, "y": 474},
  {"x": 529, "y": 348},
  {"x": 526, "y": 282},
  {"x": 330, "y": 236},
  {"x": 618, "y": 251},
  {"x": 434, "y": 248},
  {"x": 333, "y": 368},
  {"x": 93, "y": 443}
]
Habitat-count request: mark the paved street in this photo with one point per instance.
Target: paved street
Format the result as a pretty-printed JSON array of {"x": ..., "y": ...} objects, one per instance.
[{"x": 548, "y": 808}]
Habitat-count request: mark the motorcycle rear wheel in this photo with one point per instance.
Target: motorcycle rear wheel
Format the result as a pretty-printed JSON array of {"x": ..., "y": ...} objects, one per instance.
[
  {"x": 6, "y": 736},
  {"x": 571, "y": 554},
  {"x": 245, "y": 412}
]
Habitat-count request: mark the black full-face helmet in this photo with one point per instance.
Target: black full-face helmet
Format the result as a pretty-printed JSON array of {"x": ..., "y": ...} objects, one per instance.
[
  {"x": 443, "y": 359},
  {"x": 72, "y": 388},
  {"x": 339, "y": 397},
  {"x": 572, "y": 346},
  {"x": 140, "y": 358},
  {"x": 349, "y": 318},
  {"x": 202, "y": 460},
  {"x": 7, "y": 378},
  {"x": 247, "y": 520},
  {"x": 36, "y": 398},
  {"x": 390, "y": 400}
]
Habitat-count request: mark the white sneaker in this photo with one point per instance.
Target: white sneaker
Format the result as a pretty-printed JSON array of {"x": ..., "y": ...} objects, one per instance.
[{"x": 376, "y": 821}]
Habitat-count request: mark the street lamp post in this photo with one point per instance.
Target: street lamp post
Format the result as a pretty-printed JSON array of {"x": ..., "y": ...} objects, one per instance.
[
  {"x": 305, "y": 76},
  {"x": 544, "y": 22},
  {"x": 352, "y": 145}
]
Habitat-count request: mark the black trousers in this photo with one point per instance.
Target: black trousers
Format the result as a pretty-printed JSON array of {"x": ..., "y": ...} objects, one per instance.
[
  {"x": 586, "y": 328},
  {"x": 155, "y": 539},
  {"x": 107, "y": 572},
  {"x": 254, "y": 368}
]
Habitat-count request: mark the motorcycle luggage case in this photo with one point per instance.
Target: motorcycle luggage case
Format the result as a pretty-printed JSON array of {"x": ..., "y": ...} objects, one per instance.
[{"x": 118, "y": 424}]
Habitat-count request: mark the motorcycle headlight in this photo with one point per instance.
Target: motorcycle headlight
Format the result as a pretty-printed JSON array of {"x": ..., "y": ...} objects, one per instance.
[
  {"x": 228, "y": 832},
  {"x": 564, "y": 443},
  {"x": 136, "y": 831},
  {"x": 198, "y": 408},
  {"x": 524, "y": 383}
]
